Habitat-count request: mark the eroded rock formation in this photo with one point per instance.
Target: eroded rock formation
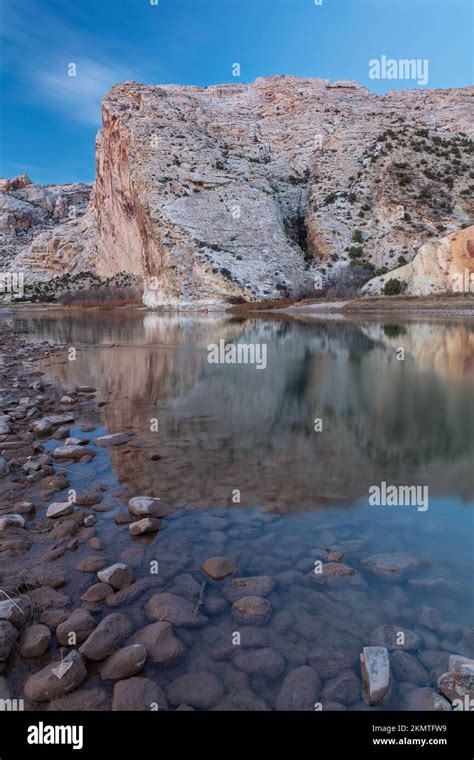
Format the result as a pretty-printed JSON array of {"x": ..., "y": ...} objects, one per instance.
[
  {"x": 264, "y": 190},
  {"x": 28, "y": 210},
  {"x": 441, "y": 266}
]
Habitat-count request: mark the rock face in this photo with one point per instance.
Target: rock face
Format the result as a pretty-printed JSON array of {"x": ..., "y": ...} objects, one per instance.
[
  {"x": 441, "y": 266},
  {"x": 28, "y": 209},
  {"x": 255, "y": 190}
]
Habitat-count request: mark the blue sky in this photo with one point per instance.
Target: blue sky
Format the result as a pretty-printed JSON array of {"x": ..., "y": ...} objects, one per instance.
[{"x": 49, "y": 119}]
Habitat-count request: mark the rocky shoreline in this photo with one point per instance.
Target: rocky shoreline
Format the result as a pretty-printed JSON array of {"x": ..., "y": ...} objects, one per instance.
[{"x": 105, "y": 602}]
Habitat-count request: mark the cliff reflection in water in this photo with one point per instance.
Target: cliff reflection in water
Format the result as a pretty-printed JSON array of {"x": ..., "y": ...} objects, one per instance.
[{"x": 223, "y": 427}]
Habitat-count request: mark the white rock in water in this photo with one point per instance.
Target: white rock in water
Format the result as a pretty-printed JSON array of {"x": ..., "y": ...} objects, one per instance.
[
  {"x": 146, "y": 525},
  {"x": 73, "y": 452},
  {"x": 118, "y": 575},
  {"x": 114, "y": 439},
  {"x": 61, "y": 419},
  {"x": 12, "y": 521},
  {"x": 148, "y": 506},
  {"x": 60, "y": 508},
  {"x": 375, "y": 667}
]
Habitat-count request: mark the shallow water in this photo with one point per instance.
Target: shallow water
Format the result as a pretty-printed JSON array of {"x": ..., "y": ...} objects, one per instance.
[{"x": 228, "y": 427}]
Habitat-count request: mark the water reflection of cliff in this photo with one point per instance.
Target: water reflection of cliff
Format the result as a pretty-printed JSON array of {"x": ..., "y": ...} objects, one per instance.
[{"x": 230, "y": 426}]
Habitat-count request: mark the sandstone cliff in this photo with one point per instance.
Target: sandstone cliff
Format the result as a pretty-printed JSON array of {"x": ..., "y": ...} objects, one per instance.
[
  {"x": 441, "y": 266},
  {"x": 28, "y": 210},
  {"x": 264, "y": 190}
]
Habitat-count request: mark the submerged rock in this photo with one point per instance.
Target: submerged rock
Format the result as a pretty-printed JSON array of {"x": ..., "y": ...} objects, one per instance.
[
  {"x": 35, "y": 641},
  {"x": 265, "y": 662},
  {"x": 395, "y": 637},
  {"x": 406, "y": 668},
  {"x": 331, "y": 662},
  {"x": 56, "y": 679},
  {"x": 162, "y": 646},
  {"x": 252, "y": 610},
  {"x": 91, "y": 564},
  {"x": 391, "y": 567},
  {"x": 97, "y": 593},
  {"x": 299, "y": 690},
  {"x": 174, "y": 609},
  {"x": 90, "y": 700},
  {"x": 424, "y": 700},
  {"x": 138, "y": 694},
  {"x": 107, "y": 637},
  {"x": 198, "y": 689},
  {"x": 259, "y": 585},
  {"x": 124, "y": 663},
  {"x": 218, "y": 568},
  {"x": 337, "y": 574},
  {"x": 88, "y": 498},
  {"x": 345, "y": 689}
]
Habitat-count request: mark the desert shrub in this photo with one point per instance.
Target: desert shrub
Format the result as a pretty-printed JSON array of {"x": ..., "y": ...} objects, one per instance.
[
  {"x": 392, "y": 287},
  {"x": 102, "y": 296},
  {"x": 356, "y": 252}
]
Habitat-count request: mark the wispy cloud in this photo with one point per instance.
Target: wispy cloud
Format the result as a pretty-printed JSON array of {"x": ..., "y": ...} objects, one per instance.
[
  {"x": 78, "y": 96},
  {"x": 38, "y": 59}
]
